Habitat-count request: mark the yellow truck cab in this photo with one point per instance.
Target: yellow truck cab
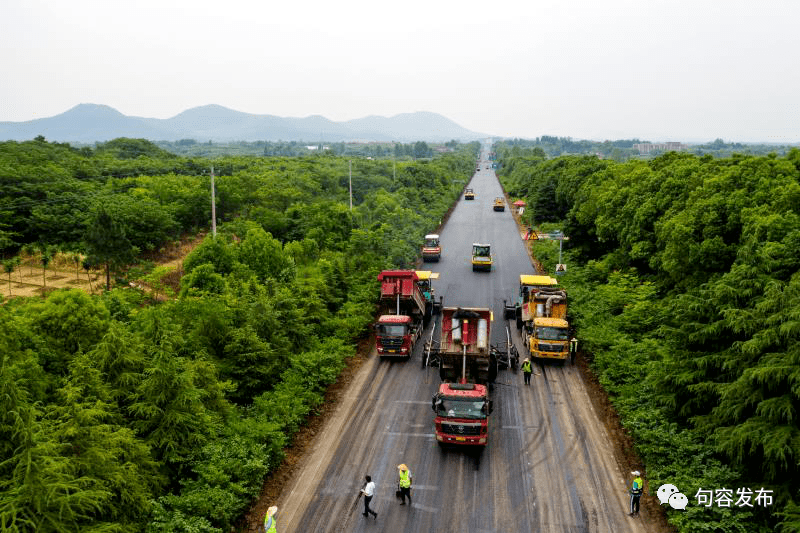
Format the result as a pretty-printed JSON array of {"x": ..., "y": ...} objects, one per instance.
[
  {"x": 481, "y": 257},
  {"x": 468, "y": 194},
  {"x": 499, "y": 204}
]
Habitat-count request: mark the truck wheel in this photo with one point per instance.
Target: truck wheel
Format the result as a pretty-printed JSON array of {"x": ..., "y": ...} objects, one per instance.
[{"x": 519, "y": 321}]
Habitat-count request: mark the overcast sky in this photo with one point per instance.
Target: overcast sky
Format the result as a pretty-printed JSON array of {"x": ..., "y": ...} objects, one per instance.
[{"x": 675, "y": 70}]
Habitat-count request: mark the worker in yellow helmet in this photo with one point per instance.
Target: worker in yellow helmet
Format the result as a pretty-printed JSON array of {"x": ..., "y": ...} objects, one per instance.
[
  {"x": 270, "y": 526},
  {"x": 405, "y": 483}
]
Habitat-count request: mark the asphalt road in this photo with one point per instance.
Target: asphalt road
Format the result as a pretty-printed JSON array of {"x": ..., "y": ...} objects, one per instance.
[{"x": 548, "y": 467}]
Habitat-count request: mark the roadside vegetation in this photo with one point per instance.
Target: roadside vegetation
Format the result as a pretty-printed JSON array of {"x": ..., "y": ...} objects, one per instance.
[
  {"x": 129, "y": 412},
  {"x": 623, "y": 149},
  {"x": 685, "y": 291}
]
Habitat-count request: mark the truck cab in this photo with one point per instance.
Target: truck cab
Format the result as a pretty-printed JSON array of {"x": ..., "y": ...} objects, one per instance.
[
  {"x": 462, "y": 414},
  {"x": 395, "y": 335},
  {"x": 432, "y": 249},
  {"x": 549, "y": 338},
  {"x": 402, "y": 313},
  {"x": 481, "y": 257}
]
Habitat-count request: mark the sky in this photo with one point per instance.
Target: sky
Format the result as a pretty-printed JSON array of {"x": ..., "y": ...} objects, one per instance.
[{"x": 676, "y": 70}]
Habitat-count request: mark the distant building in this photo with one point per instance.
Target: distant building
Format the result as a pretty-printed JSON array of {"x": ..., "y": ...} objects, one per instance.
[{"x": 646, "y": 148}]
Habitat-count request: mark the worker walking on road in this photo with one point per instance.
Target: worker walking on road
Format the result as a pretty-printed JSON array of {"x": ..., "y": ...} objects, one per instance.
[
  {"x": 405, "y": 483},
  {"x": 573, "y": 349},
  {"x": 637, "y": 489},
  {"x": 526, "y": 371},
  {"x": 368, "y": 491},
  {"x": 269, "y": 520}
]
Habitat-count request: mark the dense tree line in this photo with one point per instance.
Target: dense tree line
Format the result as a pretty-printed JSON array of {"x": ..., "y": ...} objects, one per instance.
[
  {"x": 377, "y": 150},
  {"x": 623, "y": 149},
  {"x": 685, "y": 289},
  {"x": 118, "y": 413}
]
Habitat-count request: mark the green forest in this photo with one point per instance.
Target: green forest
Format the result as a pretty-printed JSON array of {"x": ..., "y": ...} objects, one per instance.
[
  {"x": 623, "y": 149},
  {"x": 122, "y": 412},
  {"x": 685, "y": 293}
]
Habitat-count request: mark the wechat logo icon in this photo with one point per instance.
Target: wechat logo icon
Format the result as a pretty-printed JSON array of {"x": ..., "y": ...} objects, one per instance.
[{"x": 670, "y": 494}]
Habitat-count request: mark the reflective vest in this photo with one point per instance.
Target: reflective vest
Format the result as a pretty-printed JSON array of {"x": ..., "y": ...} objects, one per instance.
[
  {"x": 405, "y": 479},
  {"x": 637, "y": 487},
  {"x": 526, "y": 367},
  {"x": 269, "y": 525}
]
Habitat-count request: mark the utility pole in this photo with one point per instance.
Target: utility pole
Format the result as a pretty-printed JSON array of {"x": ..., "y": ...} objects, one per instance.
[
  {"x": 350, "y": 165},
  {"x": 213, "y": 206}
]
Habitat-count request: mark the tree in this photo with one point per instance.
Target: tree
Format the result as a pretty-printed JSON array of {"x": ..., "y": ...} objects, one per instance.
[
  {"x": 71, "y": 321},
  {"x": 264, "y": 256},
  {"x": 9, "y": 265},
  {"x": 106, "y": 240},
  {"x": 47, "y": 256},
  {"x": 202, "y": 280}
]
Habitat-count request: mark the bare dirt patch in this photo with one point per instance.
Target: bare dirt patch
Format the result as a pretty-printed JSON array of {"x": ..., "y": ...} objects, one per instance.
[{"x": 27, "y": 280}]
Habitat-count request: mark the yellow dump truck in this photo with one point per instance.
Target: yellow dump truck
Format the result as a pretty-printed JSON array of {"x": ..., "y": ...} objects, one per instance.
[
  {"x": 499, "y": 204},
  {"x": 541, "y": 313},
  {"x": 468, "y": 194}
]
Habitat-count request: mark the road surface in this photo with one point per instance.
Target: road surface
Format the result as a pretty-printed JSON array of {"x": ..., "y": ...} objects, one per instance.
[{"x": 549, "y": 465}]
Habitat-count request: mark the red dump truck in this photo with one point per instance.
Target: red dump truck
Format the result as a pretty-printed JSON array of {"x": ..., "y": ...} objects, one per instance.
[
  {"x": 402, "y": 313},
  {"x": 466, "y": 363}
]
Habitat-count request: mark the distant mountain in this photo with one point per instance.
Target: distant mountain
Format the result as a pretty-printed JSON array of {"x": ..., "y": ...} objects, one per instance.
[{"x": 87, "y": 123}]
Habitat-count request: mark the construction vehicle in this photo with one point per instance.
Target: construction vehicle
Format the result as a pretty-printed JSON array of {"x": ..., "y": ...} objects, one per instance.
[
  {"x": 432, "y": 249},
  {"x": 469, "y": 194},
  {"x": 499, "y": 204},
  {"x": 424, "y": 279},
  {"x": 541, "y": 314},
  {"x": 466, "y": 364},
  {"x": 402, "y": 315},
  {"x": 481, "y": 257},
  {"x": 462, "y": 414}
]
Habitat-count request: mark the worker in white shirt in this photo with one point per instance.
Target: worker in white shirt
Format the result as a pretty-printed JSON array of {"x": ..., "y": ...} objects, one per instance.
[{"x": 369, "y": 491}]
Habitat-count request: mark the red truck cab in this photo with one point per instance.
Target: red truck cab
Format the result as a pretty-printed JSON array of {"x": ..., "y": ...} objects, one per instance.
[
  {"x": 394, "y": 335},
  {"x": 462, "y": 414}
]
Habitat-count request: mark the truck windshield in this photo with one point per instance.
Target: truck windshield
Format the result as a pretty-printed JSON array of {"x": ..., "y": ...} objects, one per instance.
[
  {"x": 391, "y": 330},
  {"x": 461, "y": 408},
  {"x": 431, "y": 243},
  {"x": 552, "y": 334},
  {"x": 481, "y": 251}
]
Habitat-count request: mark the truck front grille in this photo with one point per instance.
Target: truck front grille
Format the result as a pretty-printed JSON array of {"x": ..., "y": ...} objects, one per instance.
[
  {"x": 392, "y": 342},
  {"x": 461, "y": 429},
  {"x": 551, "y": 347}
]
